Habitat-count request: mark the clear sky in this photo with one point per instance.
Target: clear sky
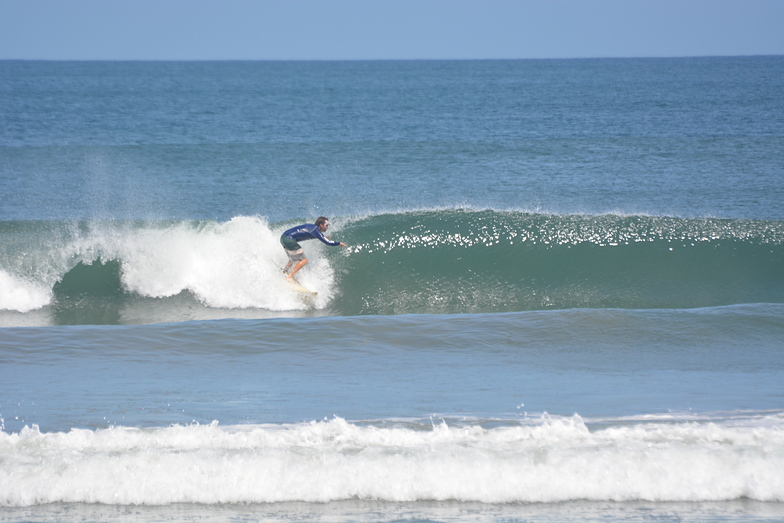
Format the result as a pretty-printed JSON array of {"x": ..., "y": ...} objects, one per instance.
[{"x": 386, "y": 29}]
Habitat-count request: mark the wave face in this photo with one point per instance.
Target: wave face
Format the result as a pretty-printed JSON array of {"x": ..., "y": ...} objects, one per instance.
[
  {"x": 436, "y": 261},
  {"x": 481, "y": 261},
  {"x": 536, "y": 460}
]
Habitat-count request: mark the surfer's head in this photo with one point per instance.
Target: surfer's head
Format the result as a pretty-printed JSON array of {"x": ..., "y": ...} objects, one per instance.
[{"x": 322, "y": 223}]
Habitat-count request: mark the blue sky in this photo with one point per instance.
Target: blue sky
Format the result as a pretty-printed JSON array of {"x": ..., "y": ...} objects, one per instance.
[{"x": 386, "y": 29}]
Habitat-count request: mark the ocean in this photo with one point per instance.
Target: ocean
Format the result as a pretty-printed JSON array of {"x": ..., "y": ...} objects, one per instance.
[{"x": 562, "y": 296}]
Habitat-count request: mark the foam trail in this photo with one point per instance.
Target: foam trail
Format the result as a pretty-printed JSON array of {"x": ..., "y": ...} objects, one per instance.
[{"x": 545, "y": 460}]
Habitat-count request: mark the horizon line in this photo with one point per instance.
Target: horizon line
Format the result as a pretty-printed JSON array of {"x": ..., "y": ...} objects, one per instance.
[{"x": 646, "y": 57}]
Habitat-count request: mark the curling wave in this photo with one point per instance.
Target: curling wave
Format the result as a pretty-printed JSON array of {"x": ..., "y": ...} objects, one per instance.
[{"x": 436, "y": 261}]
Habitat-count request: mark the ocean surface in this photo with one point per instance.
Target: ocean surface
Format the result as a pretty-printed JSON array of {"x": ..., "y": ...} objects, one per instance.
[{"x": 562, "y": 297}]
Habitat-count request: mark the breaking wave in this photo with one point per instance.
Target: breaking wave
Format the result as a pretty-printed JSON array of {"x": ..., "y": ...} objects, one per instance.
[{"x": 436, "y": 261}]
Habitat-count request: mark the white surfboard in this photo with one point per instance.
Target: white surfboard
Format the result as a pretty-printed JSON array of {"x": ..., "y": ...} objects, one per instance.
[
  {"x": 299, "y": 288},
  {"x": 308, "y": 296}
]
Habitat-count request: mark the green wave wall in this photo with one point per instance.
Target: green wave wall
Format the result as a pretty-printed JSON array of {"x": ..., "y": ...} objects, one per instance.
[{"x": 454, "y": 261}]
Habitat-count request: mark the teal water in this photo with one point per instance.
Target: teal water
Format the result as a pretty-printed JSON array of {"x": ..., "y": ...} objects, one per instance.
[{"x": 561, "y": 300}]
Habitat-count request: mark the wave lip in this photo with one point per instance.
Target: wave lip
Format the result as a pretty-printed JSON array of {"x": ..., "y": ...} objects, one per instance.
[{"x": 542, "y": 460}]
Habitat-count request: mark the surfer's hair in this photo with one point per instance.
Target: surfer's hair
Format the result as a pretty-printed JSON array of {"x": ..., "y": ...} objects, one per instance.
[{"x": 321, "y": 220}]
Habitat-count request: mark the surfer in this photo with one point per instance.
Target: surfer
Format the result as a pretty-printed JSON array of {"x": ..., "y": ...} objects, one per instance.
[{"x": 307, "y": 231}]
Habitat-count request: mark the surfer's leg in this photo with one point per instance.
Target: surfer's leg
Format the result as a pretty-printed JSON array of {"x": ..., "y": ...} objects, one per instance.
[
  {"x": 296, "y": 255},
  {"x": 293, "y": 251},
  {"x": 296, "y": 268}
]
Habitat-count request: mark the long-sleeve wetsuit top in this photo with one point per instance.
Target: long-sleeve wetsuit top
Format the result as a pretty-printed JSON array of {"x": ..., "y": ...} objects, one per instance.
[{"x": 308, "y": 231}]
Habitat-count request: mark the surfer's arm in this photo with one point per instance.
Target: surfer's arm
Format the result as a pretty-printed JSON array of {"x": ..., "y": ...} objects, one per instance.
[
  {"x": 339, "y": 243},
  {"x": 318, "y": 234}
]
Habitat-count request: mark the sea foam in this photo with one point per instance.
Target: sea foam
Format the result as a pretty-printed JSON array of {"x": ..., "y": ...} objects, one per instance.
[
  {"x": 542, "y": 460},
  {"x": 21, "y": 296},
  {"x": 235, "y": 264},
  {"x": 231, "y": 265}
]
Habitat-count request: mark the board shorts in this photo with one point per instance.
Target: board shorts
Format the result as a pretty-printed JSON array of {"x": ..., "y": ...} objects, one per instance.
[{"x": 293, "y": 249}]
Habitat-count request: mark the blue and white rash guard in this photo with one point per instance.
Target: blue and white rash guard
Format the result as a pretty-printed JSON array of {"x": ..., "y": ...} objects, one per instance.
[{"x": 308, "y": 231}]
